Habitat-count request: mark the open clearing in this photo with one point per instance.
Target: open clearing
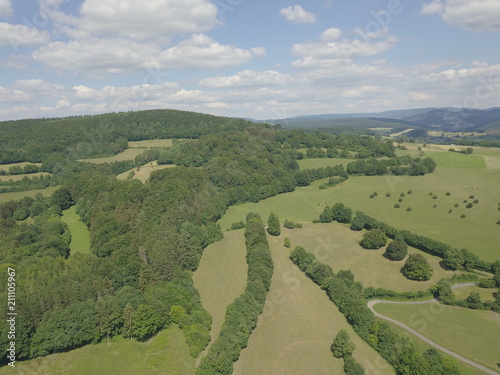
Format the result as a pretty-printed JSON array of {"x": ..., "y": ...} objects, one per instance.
[
  {"x": 336, "y": 245},
  {"x": 47, "y": 192},
  {"x": 5, "y": 167},
  {"x": 166, "y": 353},
  {"x": 19, "y": 177},
  {"x": 486, "y": 294},
  {"x": 222, "y": 276},
  {"x": 151, "y": 143},
  {"x": 80, "y": 236},
  {"x": 473, "y": 334},
  {"x": 299, "y": 323},
  {"x": 142, "y": 173},
  {"x": 477, "y": 232}
]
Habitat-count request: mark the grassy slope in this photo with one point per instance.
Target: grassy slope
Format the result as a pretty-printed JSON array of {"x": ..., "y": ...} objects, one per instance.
[
  {"x": 5, "y": 167},
  {"x": 151, "y": 143},
  {"x": 299, "y": 323},
  {"x": 337, "y": 246},
  {"x": 47, "y": 192},
  {"x": 478, "y": 231},
  {"x": 486, "y": 294},
  {"x": 142, "y": 174},
  {"x": 473, "y": 334},
  {"x": 222, "y": 276},
  {"x": 80, "y": 236},
  {"x": 167, "y": 353}
]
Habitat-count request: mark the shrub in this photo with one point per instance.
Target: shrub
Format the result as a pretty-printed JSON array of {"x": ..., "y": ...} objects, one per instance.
[
  {"x": 409, "y": 192},
  {"x": 396, "y": 250},
  {"x": 237, "y": 225},
  {"x": 448, "y": 193},
  {"x": 434, "y": 197},
  {"x": 469, "y": 205},
  {"x": 462, "y": 216},
  {"x": 397, "y": 205},
  {"x": 417, "y": 268},
  {"x": 286, "y": 242},
  {"x": 387, "y": 195},
  {"x": 373, "y": 239},
  {"x": 471, "y": 197},
  {"x": 456, "y": 205},
  {"x": 409, "y": 209},
  {"x": 476, "y": 201},
  {"x": 273, "y": 225}
]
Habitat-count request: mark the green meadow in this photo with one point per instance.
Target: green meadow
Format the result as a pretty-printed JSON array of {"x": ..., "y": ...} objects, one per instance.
[
  {"x": 142, "y": 173},
  {"x": 80, "y": 236},
  {"x": 47, "y": 192},
  {"x": 166, "y": 353},
  {"x": 297, "y": 327},
  {"x": 19, "y": 177},
  {"x": 5, "y": 167},
  {"x": 472, "y": 334}
]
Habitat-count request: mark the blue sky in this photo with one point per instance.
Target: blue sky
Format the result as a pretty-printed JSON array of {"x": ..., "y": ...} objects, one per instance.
[{"x": 246, "y": 58}]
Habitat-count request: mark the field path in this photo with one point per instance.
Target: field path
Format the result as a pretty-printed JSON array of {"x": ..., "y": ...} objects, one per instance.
[{"x": 422, "y": 337}]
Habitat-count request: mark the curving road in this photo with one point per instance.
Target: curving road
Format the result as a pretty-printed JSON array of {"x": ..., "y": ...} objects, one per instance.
[{"x": 422, "y": 337}]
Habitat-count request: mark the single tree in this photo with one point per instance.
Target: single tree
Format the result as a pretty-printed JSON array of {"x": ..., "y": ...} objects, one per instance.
[
  {"x": 396, "y": 250},
  {"x": 373, "y": 239},
  {"x": 273, "y": 225},
  {"x": 342, "y": 346},
  {"x": 417, "y": 268}
]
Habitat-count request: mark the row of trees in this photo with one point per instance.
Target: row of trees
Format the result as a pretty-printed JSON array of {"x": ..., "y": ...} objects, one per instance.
[
  {"x": 241, "y": 315},
  {"x": 347, "y": 294}
]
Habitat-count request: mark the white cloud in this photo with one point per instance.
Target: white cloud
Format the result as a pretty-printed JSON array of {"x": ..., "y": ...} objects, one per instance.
[
  {"x": 472, "y": 15},
  {"x": 5, "y": 9},
  {"x": 143, "y": 20},
  {"x": 246, "y": 78},
  {"x": 21, "y": 36},
  {"x": 14, "y": 96},
  {"x": 329, "y": 35},
  {"x": 297, "y": 14}
]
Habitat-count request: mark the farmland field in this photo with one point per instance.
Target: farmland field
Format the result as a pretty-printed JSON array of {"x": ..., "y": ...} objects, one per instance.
[
  {"x": 456, "y": 160},
  {"x": 476, "y": 334},
  {"x": 80, "y": 236},
  {"x": 5, "y": 167},
  {"x": 299, "y": 323},
  {"x": 337, "y": 245},
  {"x": 166, "y": 353},
  {"x": 477, "y": 232},
  {"x": 151, "y": 143},
  {"x": 142, "y": 173},
  {"x": 19, "y": 177},
  {"x": 222, "y": 276},
  {"x": 47, "y": 192}
]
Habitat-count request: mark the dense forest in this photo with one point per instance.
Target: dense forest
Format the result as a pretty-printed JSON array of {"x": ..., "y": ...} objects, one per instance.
[{"x": 147, "y": 239}]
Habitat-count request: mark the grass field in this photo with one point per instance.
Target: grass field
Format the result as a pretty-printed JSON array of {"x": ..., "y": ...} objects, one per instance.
[
  {"x": 336, "y": 245},
  {"x": 166, "y": 353},
  {"x": 478, "y": 232},
  {"x": 19, "y": 177},
  {"x": 222, "y": 276},
  {"x": 5, "y": 167},
  {"x": 151, "y": 143},
  {"x": 299, "y": 323},
  {"x": 143, "y": 172},
  {"x": 80, "y": 236},
  {"x": 486, "y": 294},
  {"x": 47, "y": 192},
  {"x": 322, "y": 162},
  {"x": 473, "y": 334},
  {"x": 456, "y": 160}
]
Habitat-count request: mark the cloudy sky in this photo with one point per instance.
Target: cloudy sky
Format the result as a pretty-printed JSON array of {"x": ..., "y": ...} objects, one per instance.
[{"x": 248, "y": 58}]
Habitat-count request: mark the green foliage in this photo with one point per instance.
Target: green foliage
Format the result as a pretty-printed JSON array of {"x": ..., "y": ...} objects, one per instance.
[
  {"x": 237, "y": 225},
  {"x": 352, "y": 367},
  {"x": 342, "y": 346},
  {"x": 373, "y": 239},
  {"x": 396, "y": 250},
  {"x": 177, "y": 313},
  {"x": 273, "y": 225},
  {"x": 286, "y": 242},
  {"x": 341, "y": 213},
  {"x": 146, "y": 322},
  {"x": 291, "y": 225},
  {"x": 358, "y": 222},
  {"x": 417, "y": 268}
]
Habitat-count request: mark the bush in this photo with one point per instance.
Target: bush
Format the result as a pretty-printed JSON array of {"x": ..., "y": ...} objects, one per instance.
[
  {"x": 400, "y": 200},
  {"x": 417, "y": 268},
  {"x": 456, "y": 205},
  {"x": 471, "y": 197},
  {"x": 373, "y": 239},
  {"x": 358, "y": 222},
  {"x": 476, "y": 201},
  {"x": 273, "y": 225},
  {"x": 341, "y": 346},
  {"x": 388, "y": 195},
  {"x": 286, "y": 242},
  {"x": 409, "y": 191},
  {"x": 341, "y": 213},
  {"x": 237, "y": 225},
  {"x": 462, "y": 216},
  {"x": 409, "y": 209},
  {"x": 469, "y": 205},
  {"x": 291, "y": 225},
  {"x": 448, "y": 193},
  {"x": 397, "y": 205},
  {"x": 396, "y": 250}
]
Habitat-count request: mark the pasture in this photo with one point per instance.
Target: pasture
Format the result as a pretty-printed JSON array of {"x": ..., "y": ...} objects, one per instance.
[
  {"x": 478, "y": 231},
  {"x": 473, "y": 334},
  {"x": 19, "y": 177},
  {"x": 336, "y": 245},
  {"x": 47, "y": 192},
  {"x": 486, "y": 294},
  {"x": 222, "y": 276},
  {"x": 5, "y": 167},
  {"x": 151, "y": 143},
  {"x": 166, "y": 353},
  {"x": 456, "y": 160},
  {"x": 298, "y": 325},
  {"x": 142, "y": 173},
  {"x": 80, "y": 236}
]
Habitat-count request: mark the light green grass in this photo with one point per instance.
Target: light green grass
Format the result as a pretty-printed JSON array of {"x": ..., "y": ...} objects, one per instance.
[
  {"x": 222, "y": 276},
  {"x": 80, "y": 236},
  {"x": 47, "y": 192},
  {"x": 5, "y": 167},
  {"x": 486, "y": 294},
  {"x": 142, "y": 173},
  {"x": 151, "y": 143},
  {"x": 337, "y": 246},
  {"x": 299, "y": 323},
  {"x": 322, "y": 162},
  {"x": 167, "y": 353},
  {"x": 456, "y": 160},
  {"x": 19, "y": 177},
  {"x": 473, "y": 334},
  {"x": 478, "y": 232},
  {"x": 128, "y": 154}
]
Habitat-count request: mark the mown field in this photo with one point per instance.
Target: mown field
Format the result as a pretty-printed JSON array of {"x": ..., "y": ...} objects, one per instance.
[
  {"x": 142, "y": 173},
  {"x": 5, "y": 167},
  {"x": 299, "y": 323},
  {"x": 473, "y": 334},
  {"x": 80, "y": 236},
  {"x": 166, "y": 353},
  {"x": 477, "y": 232},
  {"x": 486, "y": 294},
  {"x": 19, "y": 177},
  {"x": 47, "y": 192},
  {"x": 336, "y": 245},
  {"x": 222, "y": 276}
]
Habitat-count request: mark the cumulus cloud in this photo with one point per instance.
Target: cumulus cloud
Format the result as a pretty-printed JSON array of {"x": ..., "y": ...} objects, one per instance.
[
  {"x": 143, "y": 20},
  {"x": 472, "y": 15},
  {"x": 21, "y": 36},
  {"x": 5, "y": 9},
  {"x": 246, "y": 78},
  {"x": 295, "y": 13},
  {"x": 331, "y": 34}
]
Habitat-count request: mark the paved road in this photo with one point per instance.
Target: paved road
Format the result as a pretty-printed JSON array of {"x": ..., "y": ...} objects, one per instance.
[{"x": 422, "y": 337}]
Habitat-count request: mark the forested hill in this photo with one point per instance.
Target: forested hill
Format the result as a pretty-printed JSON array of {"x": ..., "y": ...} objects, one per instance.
[{"x": 35, "y": 140}]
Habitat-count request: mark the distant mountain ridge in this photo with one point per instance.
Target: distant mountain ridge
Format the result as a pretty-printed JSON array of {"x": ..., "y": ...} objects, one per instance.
[{"x": 443, "y": 119}]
